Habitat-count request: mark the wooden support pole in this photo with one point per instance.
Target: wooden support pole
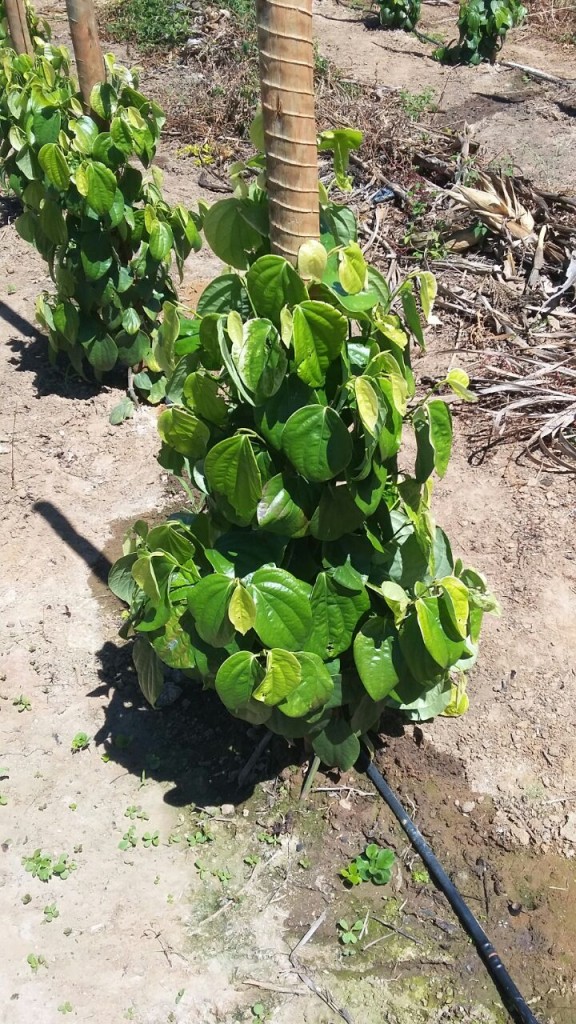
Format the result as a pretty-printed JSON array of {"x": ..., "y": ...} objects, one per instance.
[
  {"x": 86, "y": 43},
  {"x": 287, "y": 87},
  {"x": 18, "y": 26}
]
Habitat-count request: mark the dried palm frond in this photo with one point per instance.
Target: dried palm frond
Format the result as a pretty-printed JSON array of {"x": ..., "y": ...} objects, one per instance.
[{"x": 495, "y": 203}]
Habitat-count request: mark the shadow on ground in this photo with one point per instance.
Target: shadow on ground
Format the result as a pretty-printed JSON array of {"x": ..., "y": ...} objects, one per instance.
[{"x": 193, "y": 743}]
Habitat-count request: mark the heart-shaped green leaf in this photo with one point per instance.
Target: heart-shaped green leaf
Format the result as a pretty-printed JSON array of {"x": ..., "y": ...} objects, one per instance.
[{"x": 316, "y": 441}]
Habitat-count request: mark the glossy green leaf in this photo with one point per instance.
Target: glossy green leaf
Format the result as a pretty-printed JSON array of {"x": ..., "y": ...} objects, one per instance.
[
  {"x": 200, "y": 393},
  {"x": 335, "y": 613},
  {"x": 229, "y": 234},
  {"x": 53, "y": 163},
  {"x": 313, "y": 690},
  {"x": 235, "y": 680},
  {"x": 260, "y": 359},
  {"x": 273, "y": 283},
  {"x": 208, "y": 602},
  {"x": 120, "y": 578},
  {"x": 396, "y": 598},
  {"x": 161, "y": 240},
  {"x": 336, "y": 514},
  {"x": 231, "y": 470},
  {"x": 424, "y": 451},
  {"x": 271, "y": 418},
  {"x": 46, "y": 126},
  {"x": 96, "y": 255},
  {"x": 412, "y": 316},
  {"x": 184, "y": 432},
  {"x": 102, "y": 354},
  {"x": 437, "y": 643},
  {"x": 280, "y": 508},
  {"x": 352, "y": 269},
  {"x": 283, "y": 613},
  {"x": 123, "y": 410},
  {"x": 428, "y": 291},
  {"x": 319, "y": 334},
  {"x": 440, "y": 420},
  {"x": 374, "y": 656},
  {"x": 316, "y": 441},
  {"x": 85, "y": 131},
  {"x": 100, "y": 184},
  {"x": 457, "y": 603},
  {"x": 283, "y": 674}
]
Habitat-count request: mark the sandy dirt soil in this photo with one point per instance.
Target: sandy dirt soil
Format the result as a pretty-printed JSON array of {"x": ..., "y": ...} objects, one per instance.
[
  {"x": 518, "y": 122},
  {"x": 145, "y": 934}
]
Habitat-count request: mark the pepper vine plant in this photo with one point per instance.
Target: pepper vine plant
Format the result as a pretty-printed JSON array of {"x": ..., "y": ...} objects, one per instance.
[
  {"x": 106, "y": 232},
  {"x": 401, "y": 14},
  {"x": 483, "y": 26},
  {"x": 308, "y": 584}
]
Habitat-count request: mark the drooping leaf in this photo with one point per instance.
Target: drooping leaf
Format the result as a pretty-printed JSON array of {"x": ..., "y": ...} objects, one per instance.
[
  {"x": 235, "y": 681},
  {"x": 374, "y": 656},
  {"x": 148, "y": 669},
  {"x": 183, "y": 431},
  {"x": 208, "y": 602},
  {"x": 440, "y": 420},
  {"x": 337, "y": 746}
]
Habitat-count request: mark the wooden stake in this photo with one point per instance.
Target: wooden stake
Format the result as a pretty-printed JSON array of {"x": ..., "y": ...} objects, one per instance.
[
  {"x": 287, "y": 87},
  {"x": 87, "y": 50},
  {"x": 18, "y": 26}
]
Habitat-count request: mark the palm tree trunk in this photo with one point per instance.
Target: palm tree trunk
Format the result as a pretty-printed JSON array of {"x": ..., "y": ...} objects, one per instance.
[
  {"x": 18, "y": 26},
  {"x": 86, "y": 43},
  {"x": 287, "y": 87}
]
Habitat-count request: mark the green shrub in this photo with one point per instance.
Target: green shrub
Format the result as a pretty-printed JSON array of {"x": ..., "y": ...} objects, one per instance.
[
  {"x": 483, "y": 26},
  {"x": 312, "y": 588},
  {"x": 403, "y": 14},
  {"x": 107, "y": 234}
]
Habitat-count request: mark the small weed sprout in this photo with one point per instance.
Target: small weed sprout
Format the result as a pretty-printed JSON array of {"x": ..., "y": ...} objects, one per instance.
[
  {"x": 51, "y": 912},
  {"x": 36, "y": 960},
  {"x": 42, "y": 866},
  {"x": 81, "y": 741},
  {"x": 22, "y": 703},
  {"x": 374, "y": 865}
]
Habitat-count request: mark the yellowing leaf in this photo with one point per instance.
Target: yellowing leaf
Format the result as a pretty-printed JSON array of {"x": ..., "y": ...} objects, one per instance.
[
  {"x": 368, "y": 404},
  {"x": 242, "y": 610}
]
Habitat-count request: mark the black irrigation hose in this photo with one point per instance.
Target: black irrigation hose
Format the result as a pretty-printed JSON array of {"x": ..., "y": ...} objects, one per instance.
[{"x": 511, "y": 997}]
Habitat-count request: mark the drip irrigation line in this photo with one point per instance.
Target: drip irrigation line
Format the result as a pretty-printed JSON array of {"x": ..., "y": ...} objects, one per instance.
[{"x": 512, "y": 998}]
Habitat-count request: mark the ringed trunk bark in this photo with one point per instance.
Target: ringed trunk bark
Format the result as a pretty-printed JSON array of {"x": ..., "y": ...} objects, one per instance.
[
  {"x": 287, "y": 87},
  {"x": 86, "y": 43},
  {"x": 18, "y": 26}
]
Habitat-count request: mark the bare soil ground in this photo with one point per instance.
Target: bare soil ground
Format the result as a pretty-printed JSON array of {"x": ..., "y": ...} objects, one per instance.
[{"x": 146, "y": 934}]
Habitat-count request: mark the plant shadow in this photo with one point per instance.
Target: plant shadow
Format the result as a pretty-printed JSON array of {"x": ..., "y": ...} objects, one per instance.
[{"x": 193, "y": 743}]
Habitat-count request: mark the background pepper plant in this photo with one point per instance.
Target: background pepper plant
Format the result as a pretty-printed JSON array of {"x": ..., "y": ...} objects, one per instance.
[
  {"x": 483, "y": 26},
  {"x": 402, "y": 14},
  {"x": 311, "y": 588},
  {"x": 107, "y": 233}
]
